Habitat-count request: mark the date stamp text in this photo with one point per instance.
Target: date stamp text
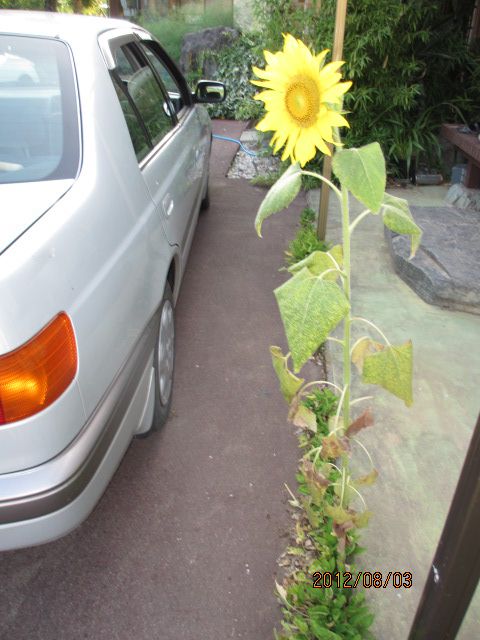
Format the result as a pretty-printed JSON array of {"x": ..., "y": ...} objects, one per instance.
[{"x": 366, "y": 579}]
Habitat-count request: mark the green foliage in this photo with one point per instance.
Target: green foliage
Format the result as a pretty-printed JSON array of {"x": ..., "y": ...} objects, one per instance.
[
  {"x": 307, "y": 217},
  {"x": 410, "y": 65},
  {"x": 310, "y": 307},
  {"x": 305, "y": 241},
  {"x": 326, "y": 263},
  {"x": 281, "y": 194},
  {"x": 266, "y": 180},
  {"x": 397, "y": 217},
  {"x": 392, "y": 369},
  {"x": 234, "y": 68},
  {"x": 362, "y": 171},
  {"x": 171, "y": 28},
  {"x": 316, "y": 613},
  {"x": 324, "y": 404},
  {"x": 289, "y": 383}
]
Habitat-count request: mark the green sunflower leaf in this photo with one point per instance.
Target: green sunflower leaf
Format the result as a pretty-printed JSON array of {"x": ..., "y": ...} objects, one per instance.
[
  {"x": 392, "y": 369},
  {"x": 318, "y": 262},
  {"x": 398, "y": 218},
  {"x": 283, "y": 192},
  {"x": 310, "y": 309},
  {"x": 289, "y": 383},
  {"x": 362, "y": 171}
]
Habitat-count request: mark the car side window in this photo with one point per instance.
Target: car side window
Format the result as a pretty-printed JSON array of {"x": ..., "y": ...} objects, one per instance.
[
  {"x": 169, "y": 81},
  {"x": 135, "y": 128},
  {"x": 144, "y": 104}
]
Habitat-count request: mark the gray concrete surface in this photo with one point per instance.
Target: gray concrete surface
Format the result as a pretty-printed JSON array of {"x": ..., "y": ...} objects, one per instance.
[
  {"x": 183, "y": 545},
  {"x": 418, "y": 451}
]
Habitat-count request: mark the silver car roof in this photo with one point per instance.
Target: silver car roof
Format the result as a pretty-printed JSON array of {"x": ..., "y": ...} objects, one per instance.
[{"x": 57, "y": 25}]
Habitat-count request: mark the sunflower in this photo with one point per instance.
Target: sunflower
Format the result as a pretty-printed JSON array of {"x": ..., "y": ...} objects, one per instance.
[{"x": 303, "y": 97}]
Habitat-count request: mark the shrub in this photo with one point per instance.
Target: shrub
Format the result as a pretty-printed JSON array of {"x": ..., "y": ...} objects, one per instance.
[
  {"x": 305, "y": 241},
  {"x": 171, "y": 28},
  {"x": 234, "y": 68},
  {"x": 410, "y": 65}
]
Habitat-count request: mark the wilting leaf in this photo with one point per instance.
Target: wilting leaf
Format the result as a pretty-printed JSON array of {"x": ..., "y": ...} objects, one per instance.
[
  {"x": 367, "y": 480},
  {"x": 397, "y": 217},
  {"x": 320, "y": 261},
  {"x": 316, "y": 481},
  {"x": 340, "y": 530},
  {"x": 361, "y": 519},
  {"x": 282, "y": 593},
  {"x": 339, "y": 514},
  {"x": 392, "y": 369},
  {"x": 283, "y": 192},
  {"x": 289, "y": 383},
  {"x": 302, "y": 417},
  {"x": 363, "y": 421},
  {"x": 363, "y": 347},
  {"x": 347, "y": 518},
  {"x": 333, "y": 446},
  {"x": 310, "y": 308},
  {"x": 363, "y": 172}
]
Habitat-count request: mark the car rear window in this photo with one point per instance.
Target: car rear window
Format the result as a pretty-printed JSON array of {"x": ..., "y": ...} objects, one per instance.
[{"x": 38, "y": 113}]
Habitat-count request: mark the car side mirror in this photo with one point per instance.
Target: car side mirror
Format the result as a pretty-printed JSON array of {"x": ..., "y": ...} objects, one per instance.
[{"x": 209, "y": 91}]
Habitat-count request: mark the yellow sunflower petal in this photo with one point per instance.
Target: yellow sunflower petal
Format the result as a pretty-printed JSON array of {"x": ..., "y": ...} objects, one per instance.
[
  {"x": 299, "y": 94},
  {"x": 320, "y": 57},
  {"x": 305, "y": 148}
]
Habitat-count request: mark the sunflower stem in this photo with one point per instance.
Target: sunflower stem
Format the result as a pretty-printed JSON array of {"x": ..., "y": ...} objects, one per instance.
[
  {"x": 345, "y": 399},
  {"x": 323, "y": 179},
  {"x": 348, "y": 317}
]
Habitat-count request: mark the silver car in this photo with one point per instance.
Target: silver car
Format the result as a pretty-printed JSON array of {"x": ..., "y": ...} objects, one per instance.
[{"x": 104, "y": 156}]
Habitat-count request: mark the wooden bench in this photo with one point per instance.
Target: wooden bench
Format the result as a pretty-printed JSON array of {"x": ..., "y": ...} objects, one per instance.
[{"x": 469, "y": 145}]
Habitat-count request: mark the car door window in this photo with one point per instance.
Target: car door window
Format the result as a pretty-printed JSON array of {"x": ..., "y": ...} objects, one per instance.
[
  {"x": 135, "y": 126},
  {"x": 175, "y": 92},
  {"x": 144, "y": 103}
]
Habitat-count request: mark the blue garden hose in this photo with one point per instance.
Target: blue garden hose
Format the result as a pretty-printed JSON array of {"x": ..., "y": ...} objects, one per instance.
[{"x": 242, "y": 147}]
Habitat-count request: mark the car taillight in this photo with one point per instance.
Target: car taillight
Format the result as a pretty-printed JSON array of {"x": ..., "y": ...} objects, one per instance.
[{"x": 37, "y": 373}]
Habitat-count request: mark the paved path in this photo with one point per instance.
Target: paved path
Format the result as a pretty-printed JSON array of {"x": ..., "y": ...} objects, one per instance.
[{"x": 183, "y": 545}]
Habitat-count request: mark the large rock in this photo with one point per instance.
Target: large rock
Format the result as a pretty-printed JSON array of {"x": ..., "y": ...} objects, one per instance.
[
  {"x": 446, "y": 268},
  {"x": 196, "y": 45}
]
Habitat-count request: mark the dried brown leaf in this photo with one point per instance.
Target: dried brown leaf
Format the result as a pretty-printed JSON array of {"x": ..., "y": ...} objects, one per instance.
[
  {"x": 363, "y": 421},
  {"x": 334, "y": 446}
]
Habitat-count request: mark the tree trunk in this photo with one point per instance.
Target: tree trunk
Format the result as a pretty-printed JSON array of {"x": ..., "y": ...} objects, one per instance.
[
  {"x": 77, "y": 6},
  {"x": 50, "y": 5}
]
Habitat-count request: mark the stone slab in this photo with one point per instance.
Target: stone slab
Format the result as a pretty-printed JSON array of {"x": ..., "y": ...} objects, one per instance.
[{"x": 446, "y": 268}]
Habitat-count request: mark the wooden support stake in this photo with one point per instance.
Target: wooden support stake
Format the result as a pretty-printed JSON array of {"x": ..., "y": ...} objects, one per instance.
[{"x": 327, "y": 161}]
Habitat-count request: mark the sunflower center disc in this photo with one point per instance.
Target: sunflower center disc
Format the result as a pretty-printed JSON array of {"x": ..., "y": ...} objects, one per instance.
[{"x": 302, "y": 100}]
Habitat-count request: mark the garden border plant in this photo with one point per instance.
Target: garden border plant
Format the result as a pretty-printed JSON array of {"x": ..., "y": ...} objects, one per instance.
[{"x": 303, "y": 99}]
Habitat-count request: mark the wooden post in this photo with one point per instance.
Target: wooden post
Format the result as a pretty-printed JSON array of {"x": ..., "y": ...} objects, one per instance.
[
  {"x": 327, "y": 161},
  {"x": 116, "y": 10}
]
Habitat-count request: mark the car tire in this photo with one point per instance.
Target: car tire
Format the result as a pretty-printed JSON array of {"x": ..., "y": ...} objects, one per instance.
[{"x": 164, "y": 361}]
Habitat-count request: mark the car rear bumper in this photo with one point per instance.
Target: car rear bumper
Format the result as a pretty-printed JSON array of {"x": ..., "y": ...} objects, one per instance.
[{"x": 48, "y": 501}]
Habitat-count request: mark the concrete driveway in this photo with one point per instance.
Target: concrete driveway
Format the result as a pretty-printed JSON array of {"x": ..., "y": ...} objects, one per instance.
[{"x": 183, "y": 545}]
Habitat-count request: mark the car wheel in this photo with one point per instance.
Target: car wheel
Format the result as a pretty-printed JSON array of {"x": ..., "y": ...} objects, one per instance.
[
  {"x": 164, "y": 360},
  {"x": 206, "y": 199}
]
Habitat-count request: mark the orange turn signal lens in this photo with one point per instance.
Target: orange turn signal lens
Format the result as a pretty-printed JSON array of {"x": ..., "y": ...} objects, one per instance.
[{"x": 33, "y": 376}]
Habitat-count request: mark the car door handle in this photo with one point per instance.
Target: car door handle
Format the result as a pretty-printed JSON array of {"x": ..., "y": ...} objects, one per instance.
[{"x": 167, "y": 205}]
